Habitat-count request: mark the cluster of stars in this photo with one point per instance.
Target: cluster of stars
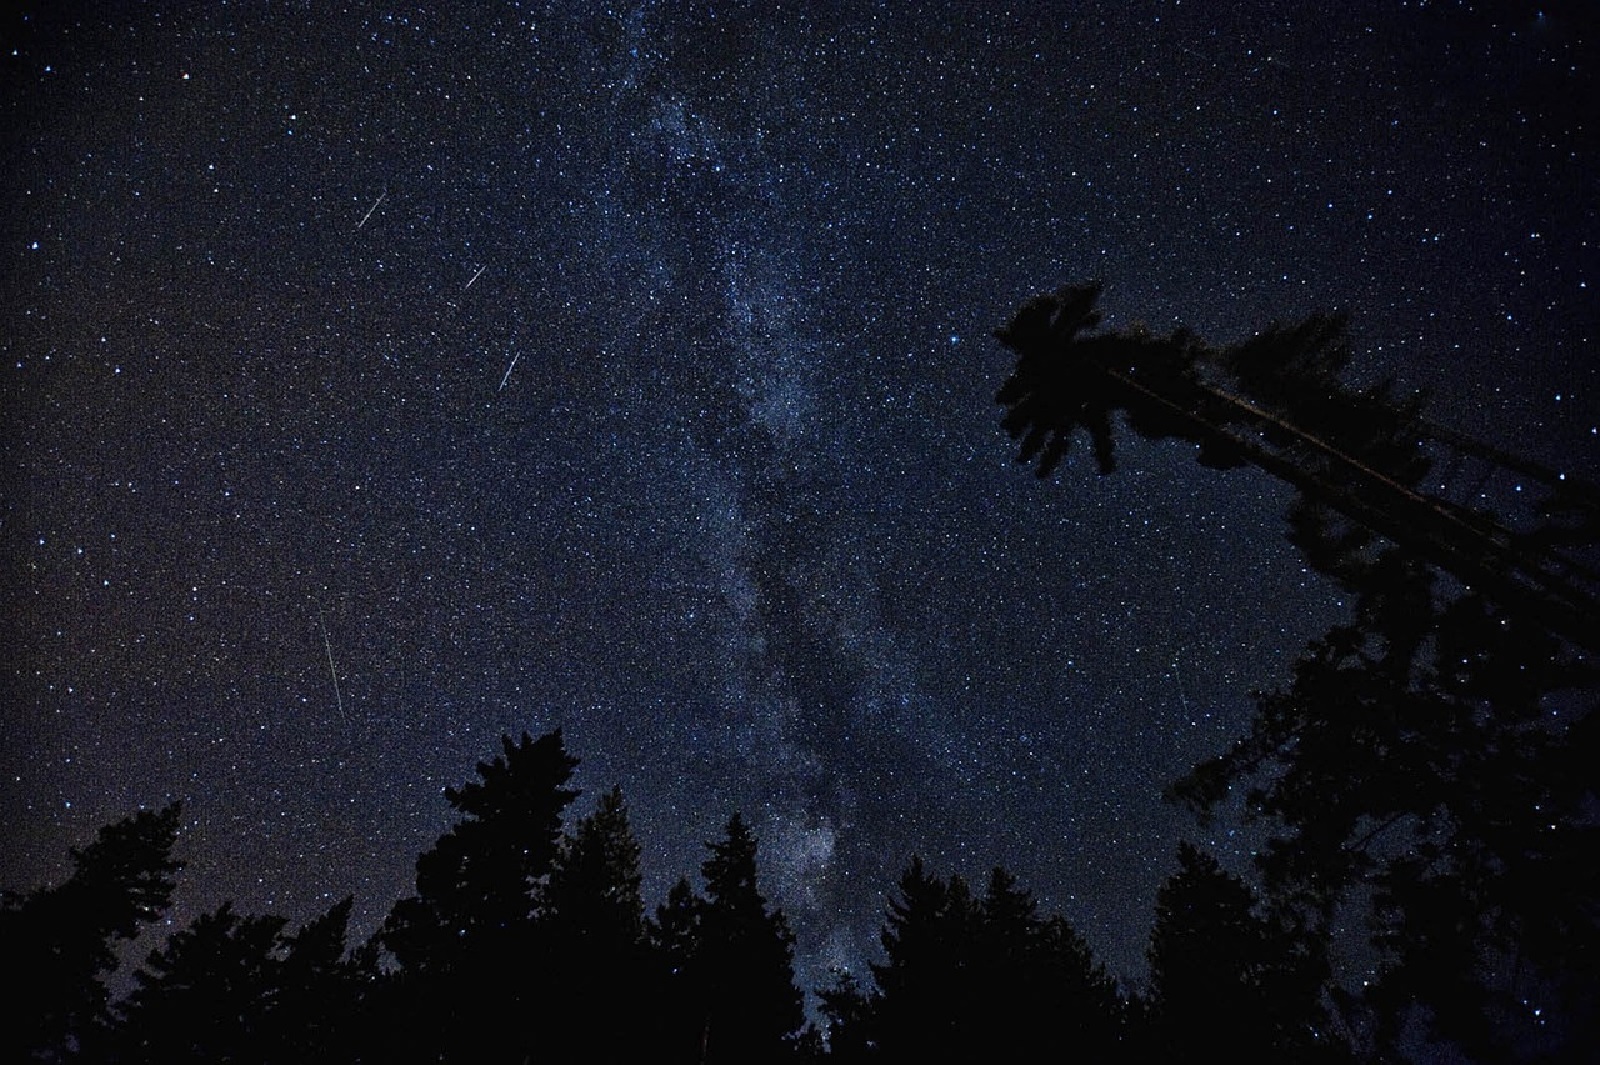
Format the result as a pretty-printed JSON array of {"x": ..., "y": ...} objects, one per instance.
[{"x": 385, "y": 384}]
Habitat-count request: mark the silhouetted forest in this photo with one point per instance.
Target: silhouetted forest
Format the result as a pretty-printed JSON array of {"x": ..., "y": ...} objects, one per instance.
[
  {"x": 1427, "y": 770},
  {"x": 525, "y": 942}
]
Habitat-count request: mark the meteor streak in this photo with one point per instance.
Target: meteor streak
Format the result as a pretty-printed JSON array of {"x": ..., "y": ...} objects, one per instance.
[
  {"x": 374, "y": 207},
  {"x": 327, "y": 645}
]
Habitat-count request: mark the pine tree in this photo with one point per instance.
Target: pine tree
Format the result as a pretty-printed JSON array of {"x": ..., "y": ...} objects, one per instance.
[
  {"x": 975, "y": 979},
  {"x": 470, "y": 983},
  {"x": 1431, "y": 763},
  {"x": 319, "y": 1003},
  {"x": 743, "y": 965},
  {"x": 594, "y": 885},
  {"x": 207, "y": 994},
  {"x": 679, "y": 1011},
  {"x": 61, "y": 942},
  {"x": 593, "y": 925},
  {"x": 237, "y": 988},
  {"x": 675, "y": 932},
  {"x": 925, "y": 1005},
  {"x": 851, "y": 1012},
  {"x": 1228, "y": 982}
]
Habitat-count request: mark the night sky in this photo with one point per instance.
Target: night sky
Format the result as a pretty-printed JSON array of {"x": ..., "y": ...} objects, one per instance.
[{"x": 379, "y": 379}]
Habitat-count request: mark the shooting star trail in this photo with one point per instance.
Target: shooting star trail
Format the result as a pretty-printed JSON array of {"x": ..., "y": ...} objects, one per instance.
[
  {"x": 475, "y": 277},
  {"x": 1177, "y": 673},
  {"x": 374, "y": 207},
  {"x": 328, "y": 646},
  {"x": 507, "y": 376}
]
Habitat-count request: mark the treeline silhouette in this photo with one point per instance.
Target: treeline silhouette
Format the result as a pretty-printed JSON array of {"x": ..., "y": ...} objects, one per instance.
[
  {"x": 1430, "y": 890},
  {"x": 525, "y": 942}
]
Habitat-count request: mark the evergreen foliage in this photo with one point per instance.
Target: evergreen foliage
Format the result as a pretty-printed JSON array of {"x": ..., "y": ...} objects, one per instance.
[
  {"x": 1229, "y": 982},
  {"x": 730, "y": 959},
  {"x": 1428, "y": 770},
  {"x": 975, "y": 979},
  {"x": 578, "y": 973},
  {"x": 473, "y": 967},
  {"x": 63, "y": 941},
  {"x": 1431, "y": 763},
  {"x": 237, "y": 988},
  {"x": 593, "y": 925}
]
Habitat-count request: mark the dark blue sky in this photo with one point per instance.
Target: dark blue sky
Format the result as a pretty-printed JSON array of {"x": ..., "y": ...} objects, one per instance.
[{"x": 632, "y": 373}]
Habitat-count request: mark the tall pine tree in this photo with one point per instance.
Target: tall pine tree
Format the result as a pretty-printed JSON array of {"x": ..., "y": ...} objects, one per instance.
[
  {"x": 978, "y": 979},
  {"x": 592, "y": 924},
  {"x": 730, "y": 962},
  {"x": 924, "y": 1007}
]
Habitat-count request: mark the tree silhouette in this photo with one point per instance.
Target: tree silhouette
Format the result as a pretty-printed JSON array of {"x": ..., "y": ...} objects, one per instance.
[
  {"x": 1037, "y": 983},
  {"x": 1227, "y": 981},
  {"x": 237, "y": 988},
  {"x": 594, "y": 883},
  {"x": 61, "y": 942},
  {"x": 729, "y": 961},
  {"x": 205, "y": 995},
  {"x": 924, "y": 987},
  {"x": 593, "y": 925},
  {"x": 470, "y": 980},
  {"x": 746, "y": 957},
  {"x": 1278, "y": 401},
  {"x": 1439, "y": 761},
  {"x": 479, "y": 879},
  {"x": 674, "y": 938},
  {"x": 320, "y": 999},
  {"x": 1431, "y": 761},
  {"x": 970, "y": 979},
  {"x": 851, "y": 1012}
]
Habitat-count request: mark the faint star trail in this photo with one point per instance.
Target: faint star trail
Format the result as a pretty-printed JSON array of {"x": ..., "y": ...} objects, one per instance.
[{"x": 332, "y": 672}]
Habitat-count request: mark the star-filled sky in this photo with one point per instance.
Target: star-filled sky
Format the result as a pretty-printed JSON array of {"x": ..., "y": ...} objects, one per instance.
[{"x": 379, "y": 379}]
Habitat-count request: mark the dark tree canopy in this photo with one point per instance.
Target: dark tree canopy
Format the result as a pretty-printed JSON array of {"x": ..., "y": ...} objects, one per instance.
[
  {"x": 64, "y": 939},
  {"x": 592, "y": 928},
  {"x": 1431, "y": 762},
  {"x": 1228, "y": 981},
  {"x": 970, "y": 979},
  {"x": 1437, "y": 759},
  {"x": 481, "y": 876},
  {"x": 469, "y": 944},
  {"x": 230, "y": 987},
  {"x": 744, "y": 958},
  {"x": 594, "y": 887},
  {"x": 1279, "y": 401}
]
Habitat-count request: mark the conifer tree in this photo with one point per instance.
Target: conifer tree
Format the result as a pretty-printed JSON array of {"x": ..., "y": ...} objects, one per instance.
[
  {"x": 925, "y": 994},
  {"x": 982, "y": 978},
  {"x": 1431, "y": 762},
  {"x": 1227, "y": 981},
  {"x": 747, "y": 954},
  {"x": 594, "y": 887},
  {"x": 679, "y": 1013},
  {"x": 229, "y": 987},
  {"x": 675, "y": 931},
  {"x": 479, "y": 880},
  {"x": 61, "y": 942},
  {"x": 206, "y": 994},
  {"x": 472, "y": 983},
  {"x": 851, "y": 1012},
  {"x": 592, "y": 923},
  {"x": 320, "y": 1005}
]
